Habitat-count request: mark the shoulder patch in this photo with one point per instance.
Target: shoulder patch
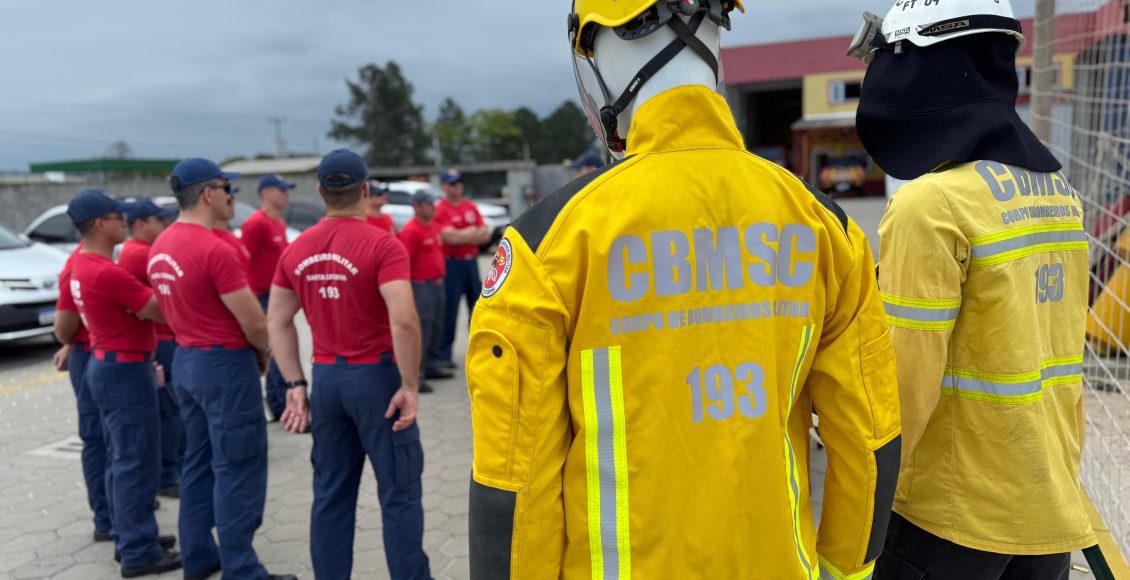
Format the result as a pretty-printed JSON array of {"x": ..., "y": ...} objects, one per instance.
[
  {"x": 534, "y": 224},
  {"x": 499, "y": 268},
  {"x": 830, "y": 204}
]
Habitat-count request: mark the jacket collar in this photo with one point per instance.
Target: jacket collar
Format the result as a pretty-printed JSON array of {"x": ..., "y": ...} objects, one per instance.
[{"x": 687, "y": 117}]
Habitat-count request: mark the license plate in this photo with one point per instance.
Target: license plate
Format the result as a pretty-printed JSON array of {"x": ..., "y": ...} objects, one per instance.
[{"x": 46, "y": 316}]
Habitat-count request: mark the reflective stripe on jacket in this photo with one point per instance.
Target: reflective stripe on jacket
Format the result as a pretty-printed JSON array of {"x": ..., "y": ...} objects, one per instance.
[{"x": 644, "y": 361}]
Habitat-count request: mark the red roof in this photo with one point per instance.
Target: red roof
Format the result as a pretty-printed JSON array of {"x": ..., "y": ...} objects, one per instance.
[{"x": 793, "y": 60}]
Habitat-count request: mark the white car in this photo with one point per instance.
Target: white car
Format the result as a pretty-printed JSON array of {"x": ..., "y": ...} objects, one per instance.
[
  {"x": 399, "y": 208},
  {"x": 29, "y": 286},
  {"x": 54, "y": 226}
]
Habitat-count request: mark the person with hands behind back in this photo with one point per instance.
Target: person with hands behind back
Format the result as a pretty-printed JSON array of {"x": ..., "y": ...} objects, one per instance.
[{"x": 352, "y": 282}]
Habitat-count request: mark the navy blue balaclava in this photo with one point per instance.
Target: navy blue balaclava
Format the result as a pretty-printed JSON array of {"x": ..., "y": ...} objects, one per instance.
[{"x": 954, "y": 101}]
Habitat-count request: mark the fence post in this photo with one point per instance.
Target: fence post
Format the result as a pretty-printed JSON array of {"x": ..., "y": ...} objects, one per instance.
[{"x": 1043, "y": 69}]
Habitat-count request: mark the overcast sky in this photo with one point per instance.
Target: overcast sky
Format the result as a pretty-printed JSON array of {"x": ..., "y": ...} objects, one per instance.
[{"x": 200, "y": 78}]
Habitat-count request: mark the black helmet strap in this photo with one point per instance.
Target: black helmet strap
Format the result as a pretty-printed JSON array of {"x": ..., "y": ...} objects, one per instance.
[{"x": 685, "y": 37}]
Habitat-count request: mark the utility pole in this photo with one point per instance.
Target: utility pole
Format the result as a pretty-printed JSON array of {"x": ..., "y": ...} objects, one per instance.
[
  {"x": 1043, "y": 69},
  {"x": 279, "y": 141}
]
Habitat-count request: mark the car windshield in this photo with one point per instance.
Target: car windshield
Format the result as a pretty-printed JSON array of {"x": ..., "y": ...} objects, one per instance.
[{"x": 9, "y": 240}]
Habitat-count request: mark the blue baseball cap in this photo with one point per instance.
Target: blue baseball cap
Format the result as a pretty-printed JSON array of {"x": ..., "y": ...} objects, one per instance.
[
  {"x": 423, "y": 196},
  {"x": 92, "y": 203},
  {"x": 589, "y": 159},
  {"x": 377, "y": 187},
  {"x": 450, "y": 176},
  {"x": 143, "y": 207},
  {"x": 342, "y": 168},
  {"x": 192, "y": 171},
  {"x": 275, "y": 180}
]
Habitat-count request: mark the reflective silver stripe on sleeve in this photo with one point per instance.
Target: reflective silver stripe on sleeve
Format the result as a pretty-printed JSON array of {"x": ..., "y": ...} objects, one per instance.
[
  {"x": 921, "y": 314},
  {"x": 606, "y": 444}
]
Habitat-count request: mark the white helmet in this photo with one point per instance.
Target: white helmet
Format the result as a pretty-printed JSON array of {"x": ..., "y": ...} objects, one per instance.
[{"x": 927, "y": 22}]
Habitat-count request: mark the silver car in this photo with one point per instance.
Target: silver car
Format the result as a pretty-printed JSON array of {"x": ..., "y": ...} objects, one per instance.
[{"x": 29, "y": 286}]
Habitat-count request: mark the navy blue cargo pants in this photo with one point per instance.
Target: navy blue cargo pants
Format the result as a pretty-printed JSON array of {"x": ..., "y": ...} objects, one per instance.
[
  {"x": 462, "y": 280},
  {"x": 430, "y": 307},
  {"x": 172, "y": 428},
  {"x": 126, "y": 394},
  {"x": 224, "y": 480},
  {"x": 348, "y": 403},
  {"x": 94, "y": 458},
  {"x": 276, "y": 385}
]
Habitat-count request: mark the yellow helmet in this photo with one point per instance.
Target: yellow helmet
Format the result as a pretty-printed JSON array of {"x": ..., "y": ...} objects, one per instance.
[{"x": 619, "y": 13}]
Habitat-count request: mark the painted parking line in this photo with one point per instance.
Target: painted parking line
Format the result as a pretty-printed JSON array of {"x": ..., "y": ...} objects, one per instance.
[{"x": 47, "y": 378}]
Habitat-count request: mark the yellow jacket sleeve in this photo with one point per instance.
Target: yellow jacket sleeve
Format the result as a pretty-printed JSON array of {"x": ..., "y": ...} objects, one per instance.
[
  {"x": 854, "y": 390},
  {"x": 517, "y": 381},
  {"x": 924, "y": 257}
]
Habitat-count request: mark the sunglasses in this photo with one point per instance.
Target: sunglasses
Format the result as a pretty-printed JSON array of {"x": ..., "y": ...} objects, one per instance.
[{"x": 226, "y": 187}]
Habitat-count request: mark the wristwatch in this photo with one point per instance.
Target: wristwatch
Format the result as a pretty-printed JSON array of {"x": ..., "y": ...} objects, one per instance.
[{"x": 295, "y": 384}]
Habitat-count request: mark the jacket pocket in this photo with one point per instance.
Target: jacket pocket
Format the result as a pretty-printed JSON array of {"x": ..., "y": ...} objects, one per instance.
[
  {"x": 244, "y": 436},
  {"x": 879, "y": 374},
  {"x": 407, "y": 455},
  {"x": 493, "y": 388}
]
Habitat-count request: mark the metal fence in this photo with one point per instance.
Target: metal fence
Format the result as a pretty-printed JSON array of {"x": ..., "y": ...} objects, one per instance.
[{"x": 1081, "y": 108}]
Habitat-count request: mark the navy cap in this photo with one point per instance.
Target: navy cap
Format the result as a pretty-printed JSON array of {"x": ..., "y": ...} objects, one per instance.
[
  {"x": 377, "y": 187},
  {"x": 192, "y": 171},
  {"x": 451, "y": 176},
  {"x": 423, "y": 196},
  {"x": 143, "y": 207},
  {"x": 589, "y": 159},
  {"x": 92, "y": 203},
  {"x": 275, "y": 180},
  {"x": 345, "y": 167}
]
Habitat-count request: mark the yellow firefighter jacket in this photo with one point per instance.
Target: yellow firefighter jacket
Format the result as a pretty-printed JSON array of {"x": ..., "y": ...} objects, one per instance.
[
  {"x": 645, "y": 358},
  {"x": 983, "y": 269}
]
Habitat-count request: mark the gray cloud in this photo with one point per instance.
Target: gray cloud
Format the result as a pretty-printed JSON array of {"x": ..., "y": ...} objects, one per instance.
[{"x": 178, "y": 78}]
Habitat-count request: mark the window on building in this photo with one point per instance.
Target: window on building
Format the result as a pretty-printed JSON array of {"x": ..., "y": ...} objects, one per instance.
[{"x": 840, "y": 92}]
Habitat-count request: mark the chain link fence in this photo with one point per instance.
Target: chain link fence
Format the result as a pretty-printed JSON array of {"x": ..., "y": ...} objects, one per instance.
[{"x": 1081, "y": 108}]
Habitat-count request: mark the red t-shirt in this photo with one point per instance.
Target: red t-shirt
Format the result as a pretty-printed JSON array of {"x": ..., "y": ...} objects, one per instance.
[
  {"x": 240, "y": 250},
  {"x": 383, "y": 222},
  {"x": 464, "y": 215},
  {"x": 66, "y": 302},
  {"x": 108, "y": 297},
  {"x": 337, "y": 268},
  {"x": 265, "y": 239},
  {"x": 135, "y": 259},
  {"x": 190, "y": 269},
  {"x": 425, "y": 250}
]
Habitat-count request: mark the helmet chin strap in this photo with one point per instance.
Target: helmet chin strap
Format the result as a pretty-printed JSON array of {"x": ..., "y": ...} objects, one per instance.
[{"x": 685, "y": 37}]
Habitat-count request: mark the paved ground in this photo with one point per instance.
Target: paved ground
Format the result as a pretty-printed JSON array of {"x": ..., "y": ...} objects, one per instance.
[{"x": 46, "y": 524}]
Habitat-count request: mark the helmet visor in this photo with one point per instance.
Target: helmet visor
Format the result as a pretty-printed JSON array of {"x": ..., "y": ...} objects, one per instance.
[{"x": 593, "y": 92}]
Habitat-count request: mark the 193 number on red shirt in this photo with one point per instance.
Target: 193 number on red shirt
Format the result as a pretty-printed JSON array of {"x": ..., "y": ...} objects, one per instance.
[{"x": 330, "y": 292}]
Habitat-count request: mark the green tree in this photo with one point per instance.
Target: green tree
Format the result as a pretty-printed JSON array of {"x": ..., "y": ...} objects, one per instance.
[
  {"x": 452, "y": 132},
  {"x": 568, "y": 129},
  {"x": 496, "y": 135},
  {"x": 119, "y": 150},
  {"x": 533, "y": 134},
  {"x": 381, "y": 114}
]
